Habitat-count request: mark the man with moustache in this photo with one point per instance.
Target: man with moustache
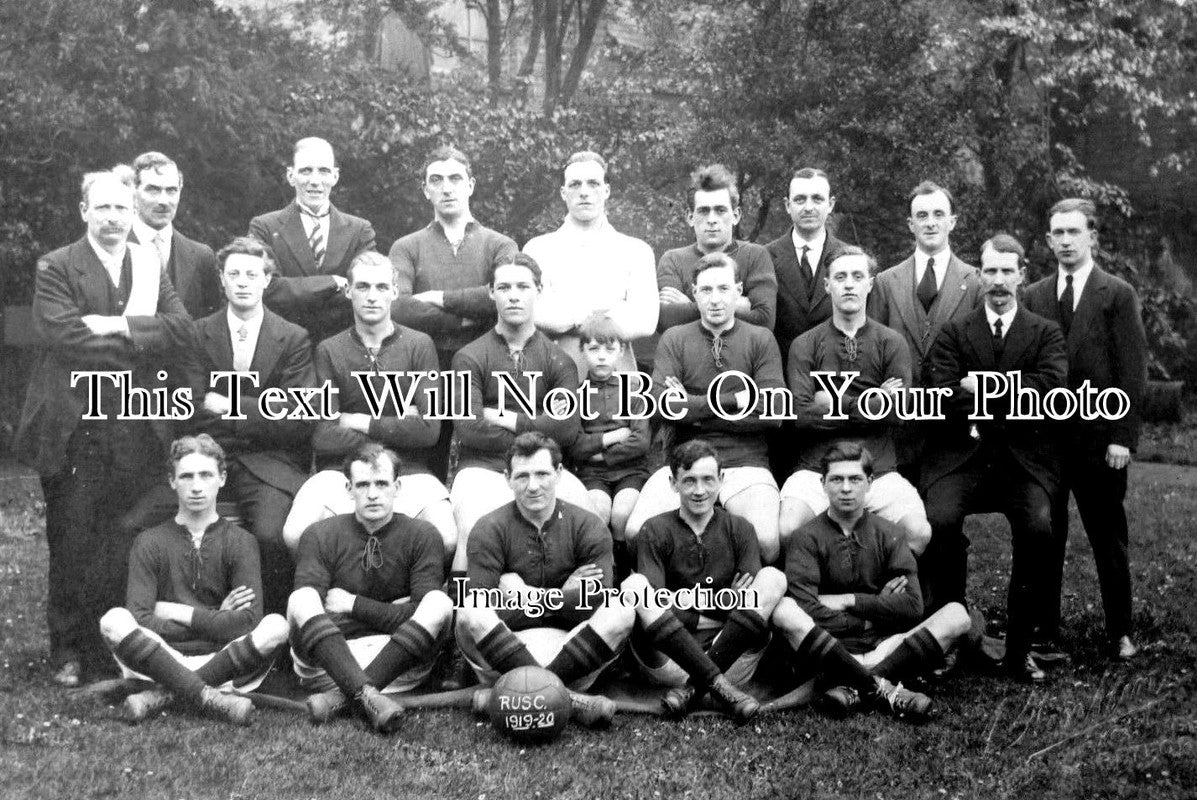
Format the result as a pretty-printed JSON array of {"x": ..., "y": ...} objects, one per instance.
[
  {"x": 313, "y": 244},
  {"x": 1005, "y": 465},
  {"x": 190, "y": 265},
  {"x": 1107, "y": 347},
  {"x": 590, "y": 268},
  {"x": 99, "y": 304},
  {"x": 800, "y": 257}
]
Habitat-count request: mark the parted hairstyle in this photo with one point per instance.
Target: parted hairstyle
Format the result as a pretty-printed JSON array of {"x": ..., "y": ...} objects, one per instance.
[
  {"x": 370, "y": 258},
  {"x": 847, "y": 451},
  {"x": 714, "y": 261},
  {"x": 519, "y": 260},
  {"x": 203, "y": 444},
  {"x": 153, "y": 160},
  {"x": 530, "y": 443},
  {"x": 446, "y": 153},
  {"x": 599, "y": 328},
  {"x": 1005, "y": 243},
  {"x": 247, "y": 246},
  {"x": 373, "y": 454},
  {"x": 931, "y": 187},
  {"x": 1080, "y": 204}
]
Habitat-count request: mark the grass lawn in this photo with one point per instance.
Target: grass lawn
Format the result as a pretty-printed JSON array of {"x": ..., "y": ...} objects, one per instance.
[{"x": 1096, "y": 731}]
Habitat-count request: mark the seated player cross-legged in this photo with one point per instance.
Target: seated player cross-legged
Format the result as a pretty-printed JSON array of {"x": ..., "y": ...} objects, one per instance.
[
  {"x": 367, "y": 613},
  {"x": 853, "y": 588},
  {"x": 514, "y": 349},
  {"x": 192, "y": 620},
  {"x": 850, "y": 342},
  {"x": 698, "y": 647},
  {"x": 532, "y": 544},
  {"x": 689, "y": 358},
  {"x": 375, "y": 344}
]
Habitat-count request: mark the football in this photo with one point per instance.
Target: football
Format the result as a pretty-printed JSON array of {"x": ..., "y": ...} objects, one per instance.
[{"x": 530, "y": 705}]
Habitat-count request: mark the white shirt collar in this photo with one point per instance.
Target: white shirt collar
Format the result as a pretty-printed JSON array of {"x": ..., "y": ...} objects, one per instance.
[
  {"x": 942, "y": 259},
  {"x": 571, "y": 227},
  {"x": 816, "y": 246},
  {"x": 1079, "y": 278},
  {"x": 146, "y": 234},
  {"x": 253, "y": 324},
  {"x": 1007, "y": 319}
]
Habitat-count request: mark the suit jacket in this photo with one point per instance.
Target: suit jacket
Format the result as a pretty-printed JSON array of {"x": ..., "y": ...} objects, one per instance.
[
  {"x": 1035, "y": 347},
  {"x": 892, "y": 302},
  {"x": 276, "y": 452},
  {"x": 1107, "y": 346},
  {"x": 70, "y": 284},
  {"x": 302, "y": 292},
  {"x": 193, "y": 272},
  {"x": 802, "y": 301}
]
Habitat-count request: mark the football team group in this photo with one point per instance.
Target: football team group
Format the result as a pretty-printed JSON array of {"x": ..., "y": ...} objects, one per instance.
[{"x": 351, "y": 543}]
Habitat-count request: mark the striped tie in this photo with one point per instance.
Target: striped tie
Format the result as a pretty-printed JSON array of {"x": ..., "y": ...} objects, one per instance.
[{"x": 316, "y": 237}]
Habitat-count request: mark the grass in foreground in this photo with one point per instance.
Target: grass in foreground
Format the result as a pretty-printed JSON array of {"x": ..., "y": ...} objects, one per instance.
[{"x": 1096, "y": 731}]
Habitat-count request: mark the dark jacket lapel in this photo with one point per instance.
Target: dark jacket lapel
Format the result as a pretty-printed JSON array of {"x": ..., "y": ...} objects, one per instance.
[
  {"x": 338, "y": 239},
  {"x": 297, "y": 241},
  {"x": 269, "y": 347},
  {"x": 1017, "y": 340}
]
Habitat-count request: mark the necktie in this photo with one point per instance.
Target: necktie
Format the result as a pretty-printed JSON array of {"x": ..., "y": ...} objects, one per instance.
[
  {"x": 241, "y": 356},
  {"x": 160, "y": 246},
  {"x": 1066, "y": 303},
  {"x": 316, "y": 238},
  {"x": 998, "y": 342},
  {"x": 927, "y": 290},
  {"x": 808, "y": 268}
]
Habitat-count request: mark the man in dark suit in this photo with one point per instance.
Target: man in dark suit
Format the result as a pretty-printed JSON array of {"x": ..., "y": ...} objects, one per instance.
[
  {"x": 99, "y": 304},
  {"x": 1000, "y": 464},
  {"x": 190, "y": 265},
  {"x": 1107, "y": 347},
  {"x": 800, "y": 257},
  {"x": 313, "y": 244},
  {"x": 267, "y": 458}
]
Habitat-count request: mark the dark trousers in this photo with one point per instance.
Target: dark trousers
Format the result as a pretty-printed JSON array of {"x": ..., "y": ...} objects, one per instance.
[
  {"x": 108, "y": 466},
  {"x": 1099, "y": 492},
  {"x": 985, "y": 484},
  {"x": 263, "y": 510}
]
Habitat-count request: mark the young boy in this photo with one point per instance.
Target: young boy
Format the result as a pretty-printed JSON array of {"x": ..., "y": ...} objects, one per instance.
[{"x": 611, "y": 455}]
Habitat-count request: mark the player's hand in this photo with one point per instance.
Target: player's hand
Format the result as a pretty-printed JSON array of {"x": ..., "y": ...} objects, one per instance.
[
  {"x": 433, "y": 297},
  {"x": 670, "y": 296},
  {"x": 342, "y": 284},
  {"x": 612, "y": 438},
  {"x": 1117, "y": 456},
  {"x": 499, "y": 419},
  {"x": 355, "y": 422},
  {"x": 675, "y": 384},
  {"x": 102, "y": 325},
  {"x": 837, "y": 602},
  {"x": 892, "y": 386},
  {"x": 241, "y": 597},
  {"x": 822, "y": 402},
  {"x": 969, "y": 384},
  {"x": 895, "y": 585},
  {"x": 217, "y": 404},
  {"x": 590, "y": 572},
  {"x": 741, "y": 582},
  {"x": 741, "y": 399},
  {"x": 338, "y": 601}
]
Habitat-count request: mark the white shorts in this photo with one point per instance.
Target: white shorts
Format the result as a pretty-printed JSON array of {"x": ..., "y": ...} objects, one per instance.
[
  {"x": 671, "y": 674},
  {"x": 313, "y": 678},
  {"x": 245, "y": 683},
  {"x": 543, "y": 643},
  {"x": 891, "y": 496}
]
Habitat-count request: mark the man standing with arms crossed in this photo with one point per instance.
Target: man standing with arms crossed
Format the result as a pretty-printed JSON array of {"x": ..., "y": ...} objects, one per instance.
[
  {"x": 1107, "y": 348},
  {"x": 589, "y": 268}
]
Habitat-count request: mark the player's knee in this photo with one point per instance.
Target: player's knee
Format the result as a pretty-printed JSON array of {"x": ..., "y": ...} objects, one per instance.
[
  {"x": 303, "y": 604},
  {"x": 436, "y": 608},
  {"x": 791, "y": 620},
  {"x": 956, "y": 620},
  {"x": 770, "y": 585},
  {"x": 271, "y": 633},
  {"x": 918, "y": 533},
  {"x": 476, "y": 622},
  {"x": 793, "y": 515},
  {"x": 116, "y": 624}
]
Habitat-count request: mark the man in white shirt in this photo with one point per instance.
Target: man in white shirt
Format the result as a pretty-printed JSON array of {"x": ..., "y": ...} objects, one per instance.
[
  {"x": 190, "y": 265},
  {"x": 589, "y": 267}
]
